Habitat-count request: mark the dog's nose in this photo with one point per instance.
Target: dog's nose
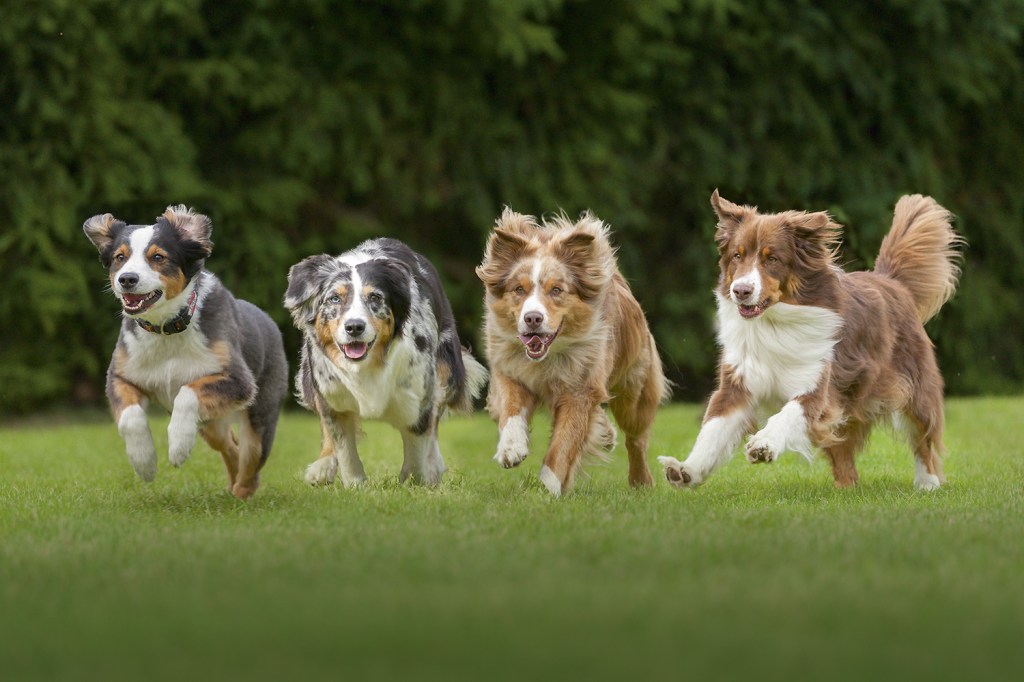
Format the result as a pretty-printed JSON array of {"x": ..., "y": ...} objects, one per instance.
[
  {"x": 128, "y": 280},
  {"x": 533, "y": 319},
  {"x": 355, "y": 327},
  {"x": 742, "y": 290}
]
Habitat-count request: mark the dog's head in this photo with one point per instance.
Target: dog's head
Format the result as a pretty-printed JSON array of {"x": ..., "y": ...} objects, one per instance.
[
  {"x": 770, "y": 258},
  {"x": 351, "y": 310},
  {"x": 546, "y": 281},
  {"x": 151, "y": 265}
]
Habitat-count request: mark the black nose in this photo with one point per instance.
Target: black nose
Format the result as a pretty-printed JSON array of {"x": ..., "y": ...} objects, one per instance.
[
  {"x": 533, "y": 320},
  {"x": 742, "y": 291},
  {"x": 355, "y": 327},
  {"x": 128, "y": 280}
]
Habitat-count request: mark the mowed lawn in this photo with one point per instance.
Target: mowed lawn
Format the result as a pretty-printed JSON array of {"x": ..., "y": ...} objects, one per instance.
[{"x": 765, "y": 572}]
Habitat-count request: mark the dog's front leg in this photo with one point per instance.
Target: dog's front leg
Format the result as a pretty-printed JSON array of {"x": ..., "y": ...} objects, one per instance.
[
  {"x": 211, "y": 397},
  {"x": 338, "y": 450},
  {"x": 728, "y": 418},
  {"x": 803, "y": 422},
  {"x": 571, "y": 425},
  {"x": 511, "y": 404},
  {"x": 129, "y": 405}
]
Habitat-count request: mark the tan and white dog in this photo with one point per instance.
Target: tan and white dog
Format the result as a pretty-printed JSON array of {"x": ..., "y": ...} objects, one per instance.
[{"x": 563, "y": 329}]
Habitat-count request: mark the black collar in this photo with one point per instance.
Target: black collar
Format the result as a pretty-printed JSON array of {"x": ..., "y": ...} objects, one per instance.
[{"x": 179, "y": 322}]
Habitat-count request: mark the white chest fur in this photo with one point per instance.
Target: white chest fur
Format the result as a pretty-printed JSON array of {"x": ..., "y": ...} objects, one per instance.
[
  {"x": 392, "y": 392},
  {"x": 779, "y": 355},
  {"x": 161, "y": 364}
]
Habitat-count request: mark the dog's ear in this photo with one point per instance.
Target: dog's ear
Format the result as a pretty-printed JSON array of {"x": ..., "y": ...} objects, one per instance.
[
  {"x": 589, "y": 255},
  {"x": 190, "y": 225},
  {"x": 396, "y": 281},
  {"x": 506, "y": 245},
  {"x": 816, "y": 235},
  {"x": 729, "y": 215},
  {"x": 306, "y": 282},
  {"x": 101, "y": 231}
]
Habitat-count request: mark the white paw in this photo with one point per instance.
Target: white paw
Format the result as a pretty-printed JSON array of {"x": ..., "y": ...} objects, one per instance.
[
  {"x": 513, "y": 443},
  {"x": 679, "y": 474},
  {"x": 926, "y": 482},
  {"x": 181, "y": 432},
  {"x": 760, "y": 448},
  {"x": 138, "y": 442},
  {"x": 322, "y": 471},
  {"x": 550, "y": 481}
]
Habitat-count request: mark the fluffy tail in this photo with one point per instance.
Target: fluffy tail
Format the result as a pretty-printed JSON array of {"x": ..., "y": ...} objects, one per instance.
[
  {"x": 476, "y": 379},
  {"x": 920, "y": 252}
]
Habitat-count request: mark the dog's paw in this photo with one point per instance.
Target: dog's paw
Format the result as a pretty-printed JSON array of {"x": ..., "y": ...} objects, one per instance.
[
  {"x": 181, "y": 438},
  {"x": 513, "y": 443},
  {"x": 926, "y": 482},
  {"x": 243, "y": 490},
  {"x": 761, "y": 450},
  {"x": 678, "y": 474},
  {"x": 181, "y": 431},
  {"x": 322, "y": 471},
  {"x": 138, "y": 442}
]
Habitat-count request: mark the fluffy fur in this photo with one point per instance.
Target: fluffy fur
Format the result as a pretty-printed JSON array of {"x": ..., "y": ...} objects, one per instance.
[
  {"x": 189, "y": 345},
  {"x": 564, "y": 329},
  {"x": 380, "y": 343},
  {"x": 830, "y": 352}
]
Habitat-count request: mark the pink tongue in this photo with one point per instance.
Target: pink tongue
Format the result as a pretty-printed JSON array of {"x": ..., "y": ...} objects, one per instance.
[
  {"x": 354, "y": 351},
  {"x": 534, "y": 343},
  {"x": 134, "y": 299}
]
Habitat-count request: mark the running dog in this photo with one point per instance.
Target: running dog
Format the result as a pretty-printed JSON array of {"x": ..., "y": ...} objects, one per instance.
[
  {"x": 380, "y": 343},
  {"x": 837, "y": 351},
  {"x": 189, "y": 345}
]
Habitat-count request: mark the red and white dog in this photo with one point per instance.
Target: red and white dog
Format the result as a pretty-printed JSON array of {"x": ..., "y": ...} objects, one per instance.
[
  {"x": 837, "y": 351},
  {"x": 563, "y": 329}
]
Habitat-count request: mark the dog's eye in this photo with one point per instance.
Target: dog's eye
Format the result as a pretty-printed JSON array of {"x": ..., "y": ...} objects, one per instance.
[
  {"x": 772, "y": 260},
  {"x": 375, "y": 298},
  {"x": 555, "y": 291},
  {"x": 119, "y": 258},
  {"x": 156, "y": 258},
  {"x": 520, "y": 290},
  {"x": 334, "y": 299},
  {"x": 736, "y": 256}
]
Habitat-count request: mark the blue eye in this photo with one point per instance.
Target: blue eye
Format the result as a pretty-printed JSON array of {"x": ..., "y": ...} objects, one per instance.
[{"x": 334, "y": 299}]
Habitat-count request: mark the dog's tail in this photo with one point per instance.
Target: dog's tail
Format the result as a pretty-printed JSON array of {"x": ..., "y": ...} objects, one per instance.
[
  {"x": 473, "y": 383},
  {"x": 921, "y": 251}
]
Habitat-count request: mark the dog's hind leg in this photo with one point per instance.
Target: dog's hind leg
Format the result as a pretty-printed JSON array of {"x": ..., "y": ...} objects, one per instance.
[
  {"x": 923, "y": 424},
  {"x": 250, "y": 458},
  {"x": 218, "y": 435},
  {"x": 842, "y": 453},
  {"x": 423, "y": 462},
  {"x": 636, "y": 417}
]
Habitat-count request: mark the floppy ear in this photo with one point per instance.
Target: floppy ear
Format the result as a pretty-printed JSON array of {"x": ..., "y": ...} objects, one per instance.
[
  {"x": 396, "y": 280},
  {"x": 730, "y": 216},
  {"x": 101, "y": 231},
  {"x": 505, "y": 246},
  {"x": 588, "y": 253},
  {"x": 191, "y": 226},
  {"x": 306, "y": 281},
  {"x": 816, "y": 235}
]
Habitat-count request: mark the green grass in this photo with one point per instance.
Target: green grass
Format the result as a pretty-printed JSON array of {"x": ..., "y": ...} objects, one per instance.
[{"x": 764, "y": 572}]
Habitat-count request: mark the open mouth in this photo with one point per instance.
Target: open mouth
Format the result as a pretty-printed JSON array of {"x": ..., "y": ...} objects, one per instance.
[
  {"x": 537, "y": 344},
  {"x": 134, "y": 304},
  {"x": 355, "y": 350},
  {"x": 752, "y": 311}
]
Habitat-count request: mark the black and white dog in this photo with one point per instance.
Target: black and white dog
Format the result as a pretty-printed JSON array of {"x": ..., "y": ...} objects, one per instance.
[
  {"x": 380, "y": 343},
  {"x": 188, "y": 344}
]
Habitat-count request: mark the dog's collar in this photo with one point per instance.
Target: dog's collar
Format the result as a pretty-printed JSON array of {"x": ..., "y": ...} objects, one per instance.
[{"x": 179, "y": 322}]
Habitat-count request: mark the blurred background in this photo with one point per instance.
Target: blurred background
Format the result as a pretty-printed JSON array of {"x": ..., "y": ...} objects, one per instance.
[{"x": 306, "y": 126}]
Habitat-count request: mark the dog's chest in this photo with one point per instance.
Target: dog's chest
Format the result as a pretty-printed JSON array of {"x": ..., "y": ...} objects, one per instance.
[
  {"x": 161, "y": 365},
  {"x": 393, "y": 392},
  {"x": 782, "y": 354}
]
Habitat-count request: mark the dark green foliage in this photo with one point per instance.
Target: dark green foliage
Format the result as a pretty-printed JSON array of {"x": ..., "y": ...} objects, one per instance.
[{"x": 306, "y": 126}]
